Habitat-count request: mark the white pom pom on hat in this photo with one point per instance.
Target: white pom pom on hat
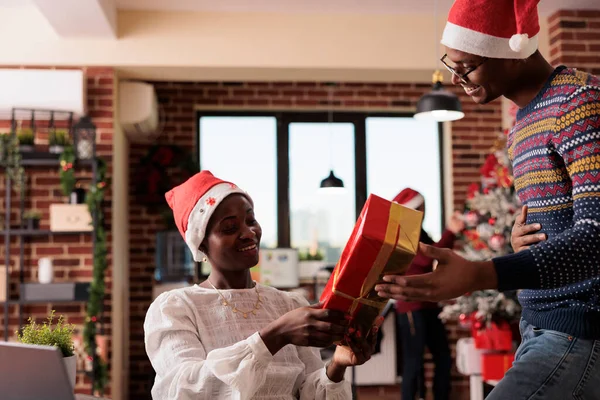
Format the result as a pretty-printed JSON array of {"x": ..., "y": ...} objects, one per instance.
[
  {"x": 518, "y": 42},
  {"x": 493, "y": 28}
]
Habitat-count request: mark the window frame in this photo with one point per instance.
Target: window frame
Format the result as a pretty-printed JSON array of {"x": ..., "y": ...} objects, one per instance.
[{"x": 284, "y": 119}]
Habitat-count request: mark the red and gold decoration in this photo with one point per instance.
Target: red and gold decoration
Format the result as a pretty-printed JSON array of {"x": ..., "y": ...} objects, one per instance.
[{"x": 384, "y": 241}]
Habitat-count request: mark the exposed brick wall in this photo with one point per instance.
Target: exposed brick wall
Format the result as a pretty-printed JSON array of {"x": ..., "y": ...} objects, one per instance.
[
  {"x": 473, "y": 136},
  {"x": 71, "y": 254},
  {"x": 575, "y": 39}
]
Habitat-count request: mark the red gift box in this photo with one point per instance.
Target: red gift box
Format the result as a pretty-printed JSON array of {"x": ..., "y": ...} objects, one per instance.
[
  {"x": 495, "y": 365},
  {"x": 495, "y": 336},
  {"x": 384, "y": 241}
]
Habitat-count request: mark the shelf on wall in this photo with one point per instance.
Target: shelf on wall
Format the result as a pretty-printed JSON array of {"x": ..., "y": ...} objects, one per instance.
[
  {"x": 45, "y": 159},
  {"x": 41, "y": 232},
  {"x": 56, "y": 292}
]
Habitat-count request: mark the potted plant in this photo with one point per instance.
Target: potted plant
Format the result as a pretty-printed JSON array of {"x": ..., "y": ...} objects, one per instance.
[
  {"x": 58, "y": 139},
  {"x": 4, "y": 146},
  {"x": 310, "y": 263},
  {"x": 60, "y": 336},
  {"x": 31, "y": 218},
  {"x": 26, "y": 140}
]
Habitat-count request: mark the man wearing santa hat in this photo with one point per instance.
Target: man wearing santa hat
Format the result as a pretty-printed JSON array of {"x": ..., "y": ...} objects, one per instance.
[
  {"x": 418, "y": 321},
  {"x": 555, "y": 152}
]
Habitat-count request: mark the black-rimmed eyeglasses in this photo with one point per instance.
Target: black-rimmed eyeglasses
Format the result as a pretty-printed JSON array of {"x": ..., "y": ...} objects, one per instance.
[{"x": 462, "y": 77}]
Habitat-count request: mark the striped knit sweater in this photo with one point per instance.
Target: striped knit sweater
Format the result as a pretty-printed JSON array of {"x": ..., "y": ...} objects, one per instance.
[{"x": 555, "y": 151}]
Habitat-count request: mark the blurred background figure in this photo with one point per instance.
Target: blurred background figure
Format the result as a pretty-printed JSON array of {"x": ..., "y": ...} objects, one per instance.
[{"x": 418, "y": 322}]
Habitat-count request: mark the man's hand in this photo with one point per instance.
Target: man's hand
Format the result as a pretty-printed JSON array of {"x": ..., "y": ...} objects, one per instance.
[
  {"x": 523, "y": 235},
  {"x": 453, "y": 277}
]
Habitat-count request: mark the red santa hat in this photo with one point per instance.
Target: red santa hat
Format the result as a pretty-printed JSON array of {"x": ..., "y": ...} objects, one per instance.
[
  {"x": 193, "y": 203},
  {"x": 493, "y": 28},
  {"x": 409, "y": 198}
]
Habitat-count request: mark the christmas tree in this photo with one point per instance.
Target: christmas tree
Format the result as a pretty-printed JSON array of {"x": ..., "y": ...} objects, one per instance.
[{"x": 490, "y": 213}]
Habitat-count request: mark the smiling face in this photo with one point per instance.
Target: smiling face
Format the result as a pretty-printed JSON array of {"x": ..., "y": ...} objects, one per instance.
[
  {"x": 233, "y": 235},
  {"x": 489, "y": 79}
]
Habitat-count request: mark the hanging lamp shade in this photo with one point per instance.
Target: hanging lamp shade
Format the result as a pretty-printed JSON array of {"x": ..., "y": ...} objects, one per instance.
[
  {"x": 439, "y": 104},
  {"x": 332, "y": 181}
]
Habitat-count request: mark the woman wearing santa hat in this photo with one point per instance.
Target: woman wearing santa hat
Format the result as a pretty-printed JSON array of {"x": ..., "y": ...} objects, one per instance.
[
  {"x": 230, "y": 337},
  {"x": 418, "y": 321}
]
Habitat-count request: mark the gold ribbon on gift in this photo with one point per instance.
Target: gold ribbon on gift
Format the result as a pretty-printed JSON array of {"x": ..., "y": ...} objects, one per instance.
[{"x": 402, "y": 234}]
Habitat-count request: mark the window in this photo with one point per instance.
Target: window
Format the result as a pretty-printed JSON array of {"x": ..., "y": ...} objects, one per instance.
[
  {"x": 280, "y": 158},
  {"x": 243, "y": 150},
  {"x": 321, "y": 221},
  {"x": 404, "y": 152}
]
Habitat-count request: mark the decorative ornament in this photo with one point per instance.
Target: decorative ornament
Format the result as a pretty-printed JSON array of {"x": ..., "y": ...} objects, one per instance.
[
  {"x": 472, "y": 190},
  {"x": 497, "y": 242},
  {"x": 84, "y": 138},
  {"x": 66, "y": 171},
  {"x": 485, "y": 231},
  {"x": 492, "y": 221},
  {"x": 464, "y": 320},
  {"x": 472, "y": 218}
]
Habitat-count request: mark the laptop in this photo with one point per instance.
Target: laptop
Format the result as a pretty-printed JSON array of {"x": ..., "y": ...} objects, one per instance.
[{"x": 29, "y": 372}]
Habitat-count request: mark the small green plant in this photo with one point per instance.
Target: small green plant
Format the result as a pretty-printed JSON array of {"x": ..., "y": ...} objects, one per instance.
[
  {"x": 25, "y": 136},
  {"x": 43, "y": 335},
  {"x": 32, "y": 214},
  {"x": 5, "y": 140},
  {"x": 318, "y": 256},
  {"x": 58, "y": 137}
]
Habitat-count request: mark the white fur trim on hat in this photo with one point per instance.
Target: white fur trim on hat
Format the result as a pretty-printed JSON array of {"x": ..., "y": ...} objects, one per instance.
[
  {"x": 483, "y": 45},
  {"x": 201, "y": 213},
  {"x": 415, "y": 202}
]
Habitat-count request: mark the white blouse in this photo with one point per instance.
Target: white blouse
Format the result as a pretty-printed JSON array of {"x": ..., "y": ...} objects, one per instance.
[{"x": 200, "y": 349}]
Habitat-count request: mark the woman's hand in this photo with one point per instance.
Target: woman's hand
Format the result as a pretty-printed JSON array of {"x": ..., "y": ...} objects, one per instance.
[
  {"x": 523, "y": 235},
  {"x": 306, "y": 326},
  {"x": 358, "y": 352}
]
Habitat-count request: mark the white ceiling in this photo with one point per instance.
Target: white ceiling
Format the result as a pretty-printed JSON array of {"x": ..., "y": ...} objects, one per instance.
[
  {"x": 328, "y": 6},
  {"x": 314, "y": 6}
]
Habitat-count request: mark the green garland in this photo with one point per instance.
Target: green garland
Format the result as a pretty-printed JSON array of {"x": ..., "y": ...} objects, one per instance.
[
  {"x": 94, "y": 199},
  {"x": 67, "y": 172}
]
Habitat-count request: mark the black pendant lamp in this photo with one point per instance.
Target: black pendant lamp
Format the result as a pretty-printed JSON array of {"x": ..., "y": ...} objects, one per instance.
[
  {"x": 332, "y": 181},
  {"x": 439, "y": 104}
]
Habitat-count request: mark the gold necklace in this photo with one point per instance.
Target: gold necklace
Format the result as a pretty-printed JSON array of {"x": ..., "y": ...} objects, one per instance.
[{"x": 234, "y": 307}]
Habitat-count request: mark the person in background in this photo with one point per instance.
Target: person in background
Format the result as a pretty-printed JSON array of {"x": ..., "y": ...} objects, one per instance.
[
  {"x": 418, "y": 321},
  {"x": 230, "y": 337}
]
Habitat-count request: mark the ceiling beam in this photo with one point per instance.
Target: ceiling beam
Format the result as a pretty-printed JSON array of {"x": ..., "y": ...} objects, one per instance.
[{"x": 72, "y": 19}]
